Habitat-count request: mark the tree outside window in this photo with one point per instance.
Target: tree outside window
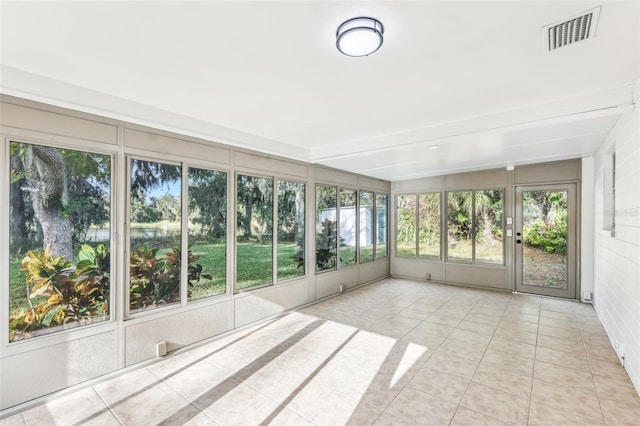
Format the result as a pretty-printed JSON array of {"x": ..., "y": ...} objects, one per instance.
[{"x": 59, "y": 239}]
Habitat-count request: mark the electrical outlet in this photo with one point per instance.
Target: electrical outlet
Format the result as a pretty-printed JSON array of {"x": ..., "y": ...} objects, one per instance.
[
  {"x": 341, "y": 288},
  {"x": 427, "y": 276},
  {"x": 586, "y": 295},
  {"x": 161, "y": 349}
]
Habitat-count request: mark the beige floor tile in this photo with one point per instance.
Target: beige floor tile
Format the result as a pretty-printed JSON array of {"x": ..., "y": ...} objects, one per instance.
[
  {"x": 174, "y": 363},
  {"x": 516, "y": 336},
  {"x": 442, "y": 319},
  {"x": 516, "y": 348},
  {"x": 82, "y": 407},
  {"x": 552, "y": 322},
  {"x": 435, "y": 329},
  {"x": 495, "y": 403},
  {"x": 416, "y": 313},
  {"x": 483, "y": 318},
  {"x": 467, "y": 417},
  {"x": 603, "y": 352},
  {"x": 466, "y": 349},
  {"x": 561, "y": 343},
  {"x": 612, "y": 370},
  {"x": 119, "y": 388},
  {"x": 424, "y": 338},
  {"x": 569, "y": 378},
  {"x": 286, "y": 417},
  {"x": 578, "y": 403},
  {"x": 161, "y": 404},
  {"x": 441, "y": 385},
  {"x": 452, "y": 364},
  {"x": 470, "y": 337},
  {"x": 324, "y": 407},
  {"x": 498, "y": 378},
  {"x": 231, "y": 408},
  {"x": 276, "y": 382},
  {"x": 17, "y": 420},
  {"x": 564, "y": 316},
  {"x": 542, "y": 415},
  {"x": 620, "y": 414},
  {"x": 302, "y": 359},
  {"x": 384, "y": 388},
  {"x": 617, "y": 390},
  {"x": 421, "y": 408},
  {"x": 563, "y": 333},
  {"x": 388, "y": 419},
  {"x": 521, "y": 318},
  {"x": 575, "y": 360},
  {"x": 477, "y": 327},
  {"x": 202, "y": 380},
  {"x": 508, "y": 362}
]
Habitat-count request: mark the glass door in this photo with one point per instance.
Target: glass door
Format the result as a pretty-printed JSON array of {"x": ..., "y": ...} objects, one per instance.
[{"x": 546, "y": 240}]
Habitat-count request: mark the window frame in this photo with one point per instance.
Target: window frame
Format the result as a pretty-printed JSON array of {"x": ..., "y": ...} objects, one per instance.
[
  {"x": 386, "y": 231},
  {"x": 276, "y": 225},
  {"x": 315, "y": 228}
]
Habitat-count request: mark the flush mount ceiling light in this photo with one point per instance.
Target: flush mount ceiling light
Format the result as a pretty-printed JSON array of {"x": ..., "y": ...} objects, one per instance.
[{"x": 359, "y": 36}]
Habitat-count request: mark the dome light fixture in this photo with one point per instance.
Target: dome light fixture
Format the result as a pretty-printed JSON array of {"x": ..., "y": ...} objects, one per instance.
[{"x": 359, "y": 36}]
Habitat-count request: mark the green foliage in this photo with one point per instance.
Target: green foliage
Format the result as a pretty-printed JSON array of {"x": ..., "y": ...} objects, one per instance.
[
  {"x": 63, "y": 292},
  {"x": 552, "y": 237},
  {"x": 155, "y": 280}
]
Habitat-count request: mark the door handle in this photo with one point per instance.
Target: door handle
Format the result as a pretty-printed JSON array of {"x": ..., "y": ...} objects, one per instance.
[{"x": 518, "y": 241}]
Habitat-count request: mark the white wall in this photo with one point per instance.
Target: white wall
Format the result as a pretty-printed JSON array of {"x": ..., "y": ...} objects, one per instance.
[{"x": 617, "y": 257}]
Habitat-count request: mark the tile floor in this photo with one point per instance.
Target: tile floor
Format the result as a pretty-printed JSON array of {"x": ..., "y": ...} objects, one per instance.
[{"x": 391, "y": 353}]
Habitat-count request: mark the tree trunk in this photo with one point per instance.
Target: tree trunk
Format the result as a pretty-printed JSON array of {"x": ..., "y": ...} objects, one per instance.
[
  {"x": 47, "y": 182},
  {"x": 18, "y": 218},
  {"x": 487, "y": 234}
]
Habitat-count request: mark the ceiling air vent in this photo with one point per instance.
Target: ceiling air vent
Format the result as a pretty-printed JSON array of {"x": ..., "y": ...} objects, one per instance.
[{"x": 572, "y": 30}]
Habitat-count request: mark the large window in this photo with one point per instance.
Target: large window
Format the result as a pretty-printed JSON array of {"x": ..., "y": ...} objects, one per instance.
[
  {"x": 366, "y": 235},
  {"x": 59, "y": 239},
  {"x": 254, "y": 231},
  {"x": 348, "y": 226},
  {"x": 155, "y": 234},
  {"x": 207, "y": 233},
  {"x": 291, "y": 258},
  {"x": 429, "y": 225},
  {"x": 474, "y": 226},
  {"x": 326, "y": 228},
  {"x": 418, "y": 225},
  {"x": 382, "y": 202}
]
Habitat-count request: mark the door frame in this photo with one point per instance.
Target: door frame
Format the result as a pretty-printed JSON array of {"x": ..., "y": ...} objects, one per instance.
[{"x": 573, "y": 240}]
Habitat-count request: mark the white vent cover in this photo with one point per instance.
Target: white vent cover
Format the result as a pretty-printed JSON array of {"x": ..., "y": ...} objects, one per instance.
[{"x": 571, "y": 30}]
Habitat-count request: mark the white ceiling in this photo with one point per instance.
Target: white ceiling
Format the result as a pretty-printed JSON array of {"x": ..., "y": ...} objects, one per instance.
[{"x": 470, "y": 77}]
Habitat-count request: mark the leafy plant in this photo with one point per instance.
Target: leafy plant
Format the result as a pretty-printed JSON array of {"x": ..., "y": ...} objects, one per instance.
[
  {"x": 156, "y": 280},
  {"x": 63, "y": 292}
]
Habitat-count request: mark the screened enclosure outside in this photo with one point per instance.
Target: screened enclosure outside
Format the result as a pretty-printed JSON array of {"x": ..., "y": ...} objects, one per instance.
[
  {"x": 291, "y": 240},
  {"x": 348, "y": 226},
  {"x": 155, "y": 219},
  {"x": 207, "y": 233},
  {"x": 59, "y": 239},
  {"x": 366, "y": 235},
  {"x": 429, "y": 225},
  {"x": 326, "y": 228},
  {"x": 254, "y": 231},
  {"x": 382, "y": 203}
]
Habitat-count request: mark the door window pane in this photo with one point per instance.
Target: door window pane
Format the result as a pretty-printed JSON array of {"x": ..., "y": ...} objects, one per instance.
[
  {"x": 290, "y": 230},
  {"x": 207, "y": 233},
  {"x": 429, "y": 225},
  {"x": 406, "y": 225},
  {"x": 381, "y": 225},
  {"x": 366, "y": 234},
  {"x": 544, "y": 253},
  {"x": 459, "y": 225},
  {"x": 254, "y": 249},
  {"x": 489, "y": 205},
  {"x": 155, "y": 234},
  {"x": 59, "y": 239},
  {"x": 326, "y": 231},
  {"x": 348, "y": 223}
]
